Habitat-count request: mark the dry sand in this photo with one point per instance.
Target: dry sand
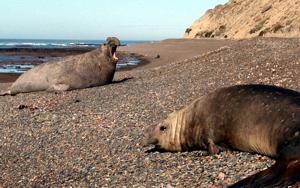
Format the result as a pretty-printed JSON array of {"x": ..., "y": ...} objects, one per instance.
[{"x": 173, "y": 50}]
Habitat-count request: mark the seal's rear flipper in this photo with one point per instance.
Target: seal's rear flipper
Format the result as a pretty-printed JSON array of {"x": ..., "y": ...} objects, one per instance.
[
  {"x": 283, "y": 173},
  {"x": 2, "y": 93},
  {"x": 5, "y": 88}
]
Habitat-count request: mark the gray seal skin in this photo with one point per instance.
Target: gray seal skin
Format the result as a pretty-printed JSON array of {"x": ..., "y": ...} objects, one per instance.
[
  {"x": 253, "y": 118},
  {"x": 90, "y": 69}
]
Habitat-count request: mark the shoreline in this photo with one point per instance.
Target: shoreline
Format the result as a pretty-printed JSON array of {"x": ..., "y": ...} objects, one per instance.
[
  {"x": 42, "y": 53},
  {"x": 150, "y": 54}
]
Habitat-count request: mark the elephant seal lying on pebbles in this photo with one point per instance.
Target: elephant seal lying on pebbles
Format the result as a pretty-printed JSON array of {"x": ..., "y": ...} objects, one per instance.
[
  {"x": 90, "y": 69},
  {"x": 254, "y": 118}
]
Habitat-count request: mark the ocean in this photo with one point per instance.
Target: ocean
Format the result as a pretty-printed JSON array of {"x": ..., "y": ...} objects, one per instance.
[
  {"x": 52, "y": 43},
  {"x": 58, "y": 43}
]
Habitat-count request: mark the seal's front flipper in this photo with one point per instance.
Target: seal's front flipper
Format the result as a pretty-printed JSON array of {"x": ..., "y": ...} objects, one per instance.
[
  {"x": 59, "y": 88},
  {"x": 283, "y": 173}
]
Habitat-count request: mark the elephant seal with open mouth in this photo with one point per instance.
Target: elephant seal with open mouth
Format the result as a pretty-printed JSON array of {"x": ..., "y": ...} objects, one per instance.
[
  {"x": 254, "y": 118},
  {"x": 90, "y": 69}
]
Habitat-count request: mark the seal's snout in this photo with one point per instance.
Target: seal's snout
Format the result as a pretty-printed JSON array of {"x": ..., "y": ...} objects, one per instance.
[
  {"x": 144, "y": 140},
  {"x": 149, "y": 137},
  {"x": 113, "y": 43},
  {"x": 147, "y": 142}
]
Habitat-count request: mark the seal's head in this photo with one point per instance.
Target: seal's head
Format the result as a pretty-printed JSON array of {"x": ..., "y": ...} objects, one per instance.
[
  {"x": 165, "y": 136},
  {"x": 112, "y": 43}
]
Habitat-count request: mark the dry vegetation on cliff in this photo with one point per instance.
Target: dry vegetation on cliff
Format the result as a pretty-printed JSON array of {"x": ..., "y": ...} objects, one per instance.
[{"x": 248, "y": 18}]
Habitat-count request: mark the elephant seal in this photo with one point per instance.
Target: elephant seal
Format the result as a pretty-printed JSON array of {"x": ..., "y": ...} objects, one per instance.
[
  {"x": 259, "y": 119},
  {"x": 90, "y": 69}
]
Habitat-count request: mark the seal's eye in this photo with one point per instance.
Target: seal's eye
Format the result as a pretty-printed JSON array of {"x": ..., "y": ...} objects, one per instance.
[{"x": 163, "y": 128}]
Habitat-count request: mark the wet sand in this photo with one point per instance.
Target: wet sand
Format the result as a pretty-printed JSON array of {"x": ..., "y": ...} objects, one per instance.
[{"x": 40, "y": 53}]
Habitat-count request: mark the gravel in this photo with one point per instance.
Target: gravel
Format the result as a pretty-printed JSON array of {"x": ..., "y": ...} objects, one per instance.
[{"x": 91, "y": 137}]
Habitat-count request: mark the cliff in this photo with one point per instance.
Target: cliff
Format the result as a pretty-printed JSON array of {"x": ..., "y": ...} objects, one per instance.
[{"x": 248, "y": 18}]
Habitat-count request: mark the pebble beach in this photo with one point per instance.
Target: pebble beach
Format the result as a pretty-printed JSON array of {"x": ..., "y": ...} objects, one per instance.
[{"x": 91, "y": 137}]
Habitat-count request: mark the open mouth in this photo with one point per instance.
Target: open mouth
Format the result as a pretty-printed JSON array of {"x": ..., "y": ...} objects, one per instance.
[{"x": 113, "y": 52}]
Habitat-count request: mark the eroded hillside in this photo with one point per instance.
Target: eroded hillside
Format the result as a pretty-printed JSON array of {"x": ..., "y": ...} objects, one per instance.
[{"x": 248, "y": 18}]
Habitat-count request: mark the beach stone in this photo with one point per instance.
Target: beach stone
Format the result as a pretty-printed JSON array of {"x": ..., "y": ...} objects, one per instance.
[{"x": 52, "y": 143}]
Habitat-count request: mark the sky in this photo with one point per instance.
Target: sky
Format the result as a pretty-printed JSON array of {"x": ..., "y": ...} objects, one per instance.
[{"x": 98, "y": 19}]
